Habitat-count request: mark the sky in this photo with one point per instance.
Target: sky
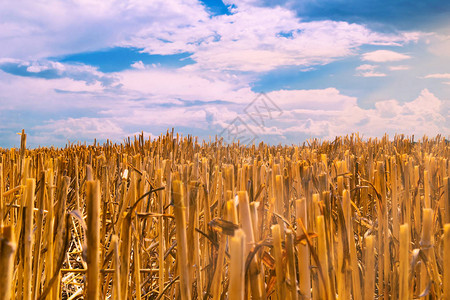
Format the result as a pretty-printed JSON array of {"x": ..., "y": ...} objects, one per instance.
[{"x": 277, "y": 71}]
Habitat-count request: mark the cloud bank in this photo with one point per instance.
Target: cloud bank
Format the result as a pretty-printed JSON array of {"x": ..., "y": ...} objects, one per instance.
[
  {"x": 384, "y": 56},
  {"x": 50, "y": 86}
]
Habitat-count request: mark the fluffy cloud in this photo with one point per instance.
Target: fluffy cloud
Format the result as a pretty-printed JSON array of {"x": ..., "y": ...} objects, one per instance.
[
  {"x": 138, "y": 65},
  {"x": 71, "y": 129},
  {"x": 54, "y": 110},
  {"x": 439, "y": 44},
  {"x": 366, "y": 68},
  {"x": 322, "y": 113},
  {"x": 439, "y": 76},
  {"x": 373, "y": 74},
  {"x": 369, "y": 71},
  {"x": 253, "y": 38},
  {"x": 263, "y": 38},
  {"x": 204, "y": 104},
  {"x": 329, "y": 99},
  {"x": 384, "y": 56},
  {"x": 259, "y": 48},
  {"x": 399, "y": 68},
  {"x": 424, "y": 115},
  {"x": 187, "y": 84},
  {"x": 327, "y": 113},
  {"x": 51, "y": 95},
  {"x": 41, "y": 29},
  {"x": 53, "y": 70}
]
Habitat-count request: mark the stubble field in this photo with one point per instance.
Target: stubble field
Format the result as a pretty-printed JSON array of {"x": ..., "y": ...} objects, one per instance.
[{"x": 175, "y": 218}]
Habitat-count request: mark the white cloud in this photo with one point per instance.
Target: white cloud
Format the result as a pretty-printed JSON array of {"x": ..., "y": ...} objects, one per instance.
[
  {"x": 424, "y": 115},
  {"x": 41, "y": 29},
  {"x": 128, "y": 119},
  {"x": 329, "y": 99},
  {"x": 62, "y": 109},
  {"x": 37, "y": 69},
  {"x": 439, "y": 45},
  {"x": 439, "y": 76},
  {"x": 368, "y": 71},
  {"x": 249, "y": 40},
  {"x": 399, "y": 68},
  {"x": 327, "y": 113},
  {"x": 138, "y": 65},
  {"x": 186, "y": 84},
  {"x": 384, "y": 56},
  {"x": 85, "y": 73},
  {"x": 373, "y": 74},
  {"x": 145, "y": 103},
  {"x": 366, "y": 68},
  {"x": 87, "y": 128}
]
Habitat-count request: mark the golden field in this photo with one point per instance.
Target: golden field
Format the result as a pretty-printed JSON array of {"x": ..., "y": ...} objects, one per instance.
[{"x": 175, "y": 218}]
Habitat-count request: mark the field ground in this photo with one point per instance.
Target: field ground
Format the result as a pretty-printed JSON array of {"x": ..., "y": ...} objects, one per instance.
[{"x": 173, "y": 218}]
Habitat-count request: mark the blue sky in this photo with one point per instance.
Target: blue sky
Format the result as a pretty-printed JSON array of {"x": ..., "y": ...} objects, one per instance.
[{"x": 82, "y": 69}]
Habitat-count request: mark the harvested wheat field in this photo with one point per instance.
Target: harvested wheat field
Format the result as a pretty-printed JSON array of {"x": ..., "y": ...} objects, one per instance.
[{"x": 173, "y": 218}]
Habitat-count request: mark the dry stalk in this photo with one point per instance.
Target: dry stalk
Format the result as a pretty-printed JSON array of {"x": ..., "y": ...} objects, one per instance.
[
  {"x": 182, "y": 251},
  {"x": 237, "y": 265},
  {"x": 7, "y": 251},
  {"x": 167, "y": 223},
  {"x": 93, "y": 238}
]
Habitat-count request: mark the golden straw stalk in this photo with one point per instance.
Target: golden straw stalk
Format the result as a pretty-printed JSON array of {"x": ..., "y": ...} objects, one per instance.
[
  {"x": 404, "y": 262},
  {"x": 182, "y": 252},
  {"x": 446, "y": 262},
  {"x": 93, "y": 239},
  {"x": 7, "y": 251},
  {"x": 279, "y": 266},
  {"x": 116, "y": 259},
  {"x": 28, "y": 237},
  {"x": 369, "y": 278},
  {"x": 237, "y": 264}
]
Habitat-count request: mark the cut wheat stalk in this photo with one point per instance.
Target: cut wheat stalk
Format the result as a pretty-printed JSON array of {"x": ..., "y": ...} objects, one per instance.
[
  {"x": 237, "y": 266},
  {"x": 446, "y": 199},
  {"x": 325, "y": 285},
  {"x": 279, "y": 266},
  {"x": 292, "y": 271},
  {"x": 2, "y": 203},
  {"x": 247, "y": 226},
  {"x": 369, "y": 278},
  {"x": 7, "y": 250},
  {"x": 356, "y": 280},
  {"x": 446, "y": 262},
  {"x": 404, "y": 262},
  {"x": 93, "y": 238},
  {"x": 303, "y": 252},
  {"x": 182, "y": 251},
  {"x": 116, "y": 259},
  {"x": 28, "y": 238},
  {"x": 49, "y": 270}
]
